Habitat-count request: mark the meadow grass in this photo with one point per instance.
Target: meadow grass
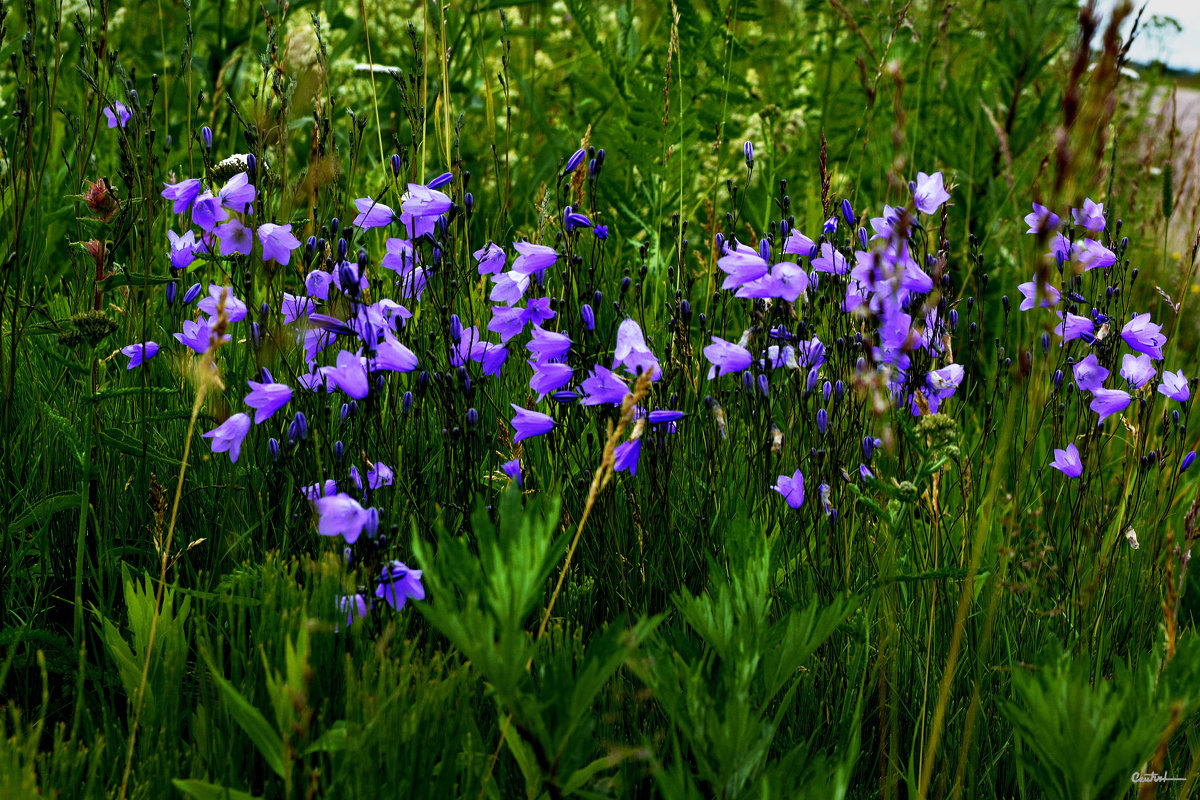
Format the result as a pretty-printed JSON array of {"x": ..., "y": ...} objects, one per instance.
[{"x": 653, "y": 607}]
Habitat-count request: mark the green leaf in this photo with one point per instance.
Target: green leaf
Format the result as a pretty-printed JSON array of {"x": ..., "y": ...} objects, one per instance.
[
  {"x": 252, "y": 722},
  {"x": 331, "y": 741},
  {"x": 202, "y": 790},
  {"x": 51, "y": 504}
]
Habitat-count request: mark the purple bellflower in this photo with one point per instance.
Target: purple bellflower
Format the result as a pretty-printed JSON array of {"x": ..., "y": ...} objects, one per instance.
[
  {"x": 372, "y": 214},
  {"x": 341, "y": 515},
  {"x": 603, "y": 386},
  {"x": 726, "y": 357},
  {"x": 228, "y": 436},
  {"x": 183, "y": 249},
  {"x": 197, "y": 334},
  {"x": 182, "y": 194},
  {"x": 528, "y": 424},
  {"x": 235, "y": 310},
  {"x": 1042, "y": 220},
  {"x": 266, "y": 399},
  {"x": 792, "y": 488},
  {"x": 277, "y": 242},
  {"x": 399, "y": 583},
  {"x": 1144, "y": 336},
  {"x": 491, "y": 259},
  {"x": 1067, "y": 461},
  {"x": 513, "y": 470},
  {"x": 1089, "y": 374},
  {"x": 626, "y": 455},
  {"x": 1138, "y": 370},
  {"x": 118, "y": 115},
  {"x": 1091, "y": 216},
  {"x": 1174, "y": 386},
  {"x": 139, "y": 354},
  {"x": 1107, "y": 402},
  {"x": 930, "y": 192},
  {"x": 235, "y": 238}
]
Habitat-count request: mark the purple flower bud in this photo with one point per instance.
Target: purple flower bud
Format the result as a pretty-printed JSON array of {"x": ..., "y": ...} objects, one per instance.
[
  {"x": 172, "y": 287},
  {"x": 191, "y": 294},
  {"x": 255, "y": 335},
  {"x": 469, "y": 203},
  {"x": 206, "y": 137},
  {"x": 748, "y": 149},
  {"x": 333, "y": 226},
  {"x": 466, "y": 385},
  {"x": 720, "y": 240},
  {"x": 1045, "y": 343},
  {"x": 310, "y": 246},
  {"x": 763, "y": 386},
  {"x": 1058, "y": 379},
  {"x": 273, "y": 448},
  {"x": 345, "y": 410},
  {"x": 396, "y": 164},
  {"x": 812, "y": 380},
  {"x": 251, "y": 165},
  {"x": 301, "y": 424},
  {"x": 422, "y": 382},
  {"x": 589, "y": 317},
  {"x": 456, "y": 328},
  {"x": 574, "y": 161},
  {"x": 577, "y": 220},
  {"x": 406, "y": 403},
  {"x": 440, "y": 180},
  {"x": 839, "y": 390},
  {"x": 953, "y": 317},
  {"x": 599, "y": 159},
  {"x": 848, "y": 212},
  {"x": 822, "y": 421},
  {"x": 625, "y": 282},
  {"x": 862, "y": 237},
  {"x": 472, "y": 419},
  {"x": 1187, "y": 461},
  {"x": 339, "y": 450},
  {"x": 826, "y": 390},
  {"x": 372, "y": 523},
  {"x": 592, "y": 168},
  {"x": 342, "y": 247},
  {"x": 566, "y": 396},
  {"x": 868, "y": 447}
]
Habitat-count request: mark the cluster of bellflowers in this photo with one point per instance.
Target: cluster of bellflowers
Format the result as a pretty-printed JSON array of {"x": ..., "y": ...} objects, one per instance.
[{"x": 1111, "y": 357}]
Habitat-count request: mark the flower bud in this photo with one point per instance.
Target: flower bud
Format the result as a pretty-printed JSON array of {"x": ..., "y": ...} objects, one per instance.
[
  {"x": 301, "y": 424},
  {"x": 748, "y": 150},
  {"x": 206, "y": 137},
  {"x": 441, "y": 180},
  {"x": 372, "y": 526},
  {"x": 812, "y": 380},
  {"x": 1187, "y": 461},
  {"x": 273, "y": 448},
  {"x": 848, "y": 212},
  {"x": 574, "y": 161},
  {"x": 255, "y": 334},
  {"x": 456, "y": 328},
  {"x": 472, "y": 419},
  {"x": 396, "y": 164},
  {"x": 469, "y": 203},
  {"x": 589, "y": 317},
  {"x": 172, "y": 287},
  {"x": 763, "y": 385},
  {"x": 406, "y": 403},
  {"x": 826, "y": 390},
  {"x": 839, "y": 390},
  {"x": 822, "y": 421}
]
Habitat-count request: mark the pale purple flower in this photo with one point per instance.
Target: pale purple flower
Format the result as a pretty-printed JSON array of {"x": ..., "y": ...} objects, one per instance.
[
  {"x": 398, "y": 583},
  {"x": 317, "y": 490},
  {"x": 787, "y": 281},
  {"x": 421, "y": 201},
  {"x": 1073, "y": 326},
  {"x": 182, "y": 194},
  {"x": 548, "y": 345},
  {"x": 235, "y": 310},
  {"x": 182, "y": 249},
  {"x": 372, "y": 214},
  {"x": 1138, "y": 370},
  {"x": 1144, "y": 336},
  {"x": 1044, "y": 296},
  {"x": 1042, "y": 220},
  {"x": 235, "y": 238},
  {"x": 1089, "y": 374},
  {"x": 491, "y": 259},
  {"x": 1175, "y": 386},
  {"x": 631, "y": 350},
  {"x": 930, "y": 192},
  {"x": 513, "y": 470},
  {"x": 797, "y": 244},
  {"x": 1093, "y": 255},
  {"x": 341, "y": 515},
  {"x": 603, "y": 386},
  {"x": 293, "y": 307},
  {"x": 400, "y": 256},
  {"x": 792, "y": 488},
  {"x": 726, "y": 357},
  {"x": 885, "y": 224},
  {"x": 197, "y": 334},
  {"x": 509, "y": 287},
  {"x": 830, "y": 261},
  {"x": 266, "y": 399},
  {"x": 810, "y": 354},
  {"x": 393, "y": 356},
  {"x": 944, "y": 382},
  {"x": 317, "y": 284},
  {"x": 229, "y": 434},
  {"x": 741, "y": 265},
  {"x": 529, "y": 423},
  {"x": 1067, "y": 461},
  {"x": 118, "y": 115},
  {"x": 350, "y": 374},
  {"x": 533, "y": 258},
  {"x": 207, "y": 211},
  {"x": 354, "y": 606},
  {"x": 1091, "y": 216},
  {"x": 1107, "y": 402},
  {"x": 277, "y": 242},
  {"x": 625, "y": 456},
  {"x": 138, "y": 354},
  {"x": 238, "y": 193},
  {"x": 548, "y": 377},
  {"x": 1061, "y": 248}
]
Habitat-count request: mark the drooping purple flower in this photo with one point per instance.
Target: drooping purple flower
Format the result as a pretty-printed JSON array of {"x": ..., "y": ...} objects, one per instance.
[
  {"x": 1175, "y": 386},
  {"x": 293, "y": 307},
  {"x": 534, "y": 259},
  {"x": 548, "y": 377},
  {"x": 1091, "y": 216},
  {"x": 797, "y": 244},
  {"x": 1067, "y": 461},
  {"x": 1138, "y": 370},
  {"x": 1093, "y": 255},
  {"x": 399, "y": 583},
  {"x": 944, "y": 382},
  {"x": 1043, "y": 296},
  {"x": 1107, "y": 402},
  {"x": 238, "y": 193},
  {"x": 509, "y": 287},
  {"x": 786, "y": 281},
  {"x": 625, "y": 456},
  {"x": 423, "y": 201},
  {"x": 1073, "y": 326},
  {"x": 548, "y": 345},
  {"x": 741, "y": 265},
  {"x": 138, "y": 354},
  {"x": 1061, "y": 248},
  {"x": 197, "y": 334},
  {"x": 393, "y": 356},
  {"x": 513, "y": 470},
  {"x": 182, "y": 194},
  {"x": 229, "y": 434},
  {"x": 207, "y": 211},
  {"x": 930, "y": 192},
  {"x": 1042, "y": 220},
  {"x": 810, "y": 354},
  {"x": 726, "y": 357},
  {"x": 235, "y": 238},
  {"x": 267, "y": 398},
  {"x": 632, "y": 352},
  {"x": 372, "y": 214},
  {"x": 830, "y": 261},
  {"x": 235, "y": 310},
  {"x": 1089, "y": 374},
  {"x": 660, "y": 416},
  {"x": 528, "y": 423},
  {"x": 317, "y": 490},
  {"x": 277, "y": 242},
  {"x": 354, "y": 606},
  {"x": 491, "y": 258},
  {"x": 341, "y": 515},
  {"x": 1187, "y": 461},
  {"x": 317, "y": 284},
  {"x": 603, "y": 386},
  {"x": 182, "y": 249},
  {"x": 118, "y": 115},
  {"x": 792, "y": 488},
  {"x": 350, "y": 374},
  {"x": 1144, "y": 336}
]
